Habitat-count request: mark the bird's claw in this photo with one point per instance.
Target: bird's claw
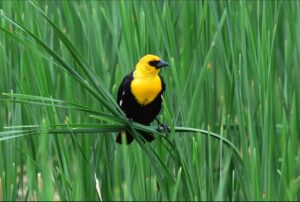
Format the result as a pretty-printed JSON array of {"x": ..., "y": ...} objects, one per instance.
[{"x": 163, "y": 128}]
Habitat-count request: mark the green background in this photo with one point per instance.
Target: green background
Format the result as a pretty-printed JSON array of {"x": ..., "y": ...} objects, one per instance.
[{"x": 234, "y": 67}]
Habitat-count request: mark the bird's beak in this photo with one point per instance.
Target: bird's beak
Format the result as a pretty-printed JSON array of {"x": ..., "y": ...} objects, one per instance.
[{"x": 161, "y": 64}]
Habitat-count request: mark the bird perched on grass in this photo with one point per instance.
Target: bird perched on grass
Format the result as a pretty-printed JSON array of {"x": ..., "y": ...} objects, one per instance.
[{"x": 140, "y": 94}]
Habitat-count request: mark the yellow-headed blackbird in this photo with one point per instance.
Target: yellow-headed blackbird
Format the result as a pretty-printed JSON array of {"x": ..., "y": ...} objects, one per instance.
[{"x": 140, "y": 94}]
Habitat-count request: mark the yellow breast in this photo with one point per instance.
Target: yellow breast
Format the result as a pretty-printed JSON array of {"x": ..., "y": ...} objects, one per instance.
[{"x": 145, "y": 90}]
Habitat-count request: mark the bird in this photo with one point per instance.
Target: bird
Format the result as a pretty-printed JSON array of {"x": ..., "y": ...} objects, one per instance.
[{"x": 140, "y": 95}]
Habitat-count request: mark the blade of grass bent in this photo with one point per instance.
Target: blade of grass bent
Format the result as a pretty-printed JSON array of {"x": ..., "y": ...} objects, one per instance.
[
  {"x": 70, "y": 70},
  {"x": 79, "y": 58}
]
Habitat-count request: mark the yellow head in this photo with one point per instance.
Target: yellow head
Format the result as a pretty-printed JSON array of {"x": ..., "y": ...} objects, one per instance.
[{"x": 149, "y": 65}]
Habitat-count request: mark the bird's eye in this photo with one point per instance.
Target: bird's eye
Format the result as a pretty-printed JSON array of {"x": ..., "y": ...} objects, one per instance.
[{"x": 153, "y": 63}]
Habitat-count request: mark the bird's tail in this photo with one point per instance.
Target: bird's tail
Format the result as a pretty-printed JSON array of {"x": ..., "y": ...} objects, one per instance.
[
  {"x": 129, "y": 138},
  {"x": 124, "y": 136}
]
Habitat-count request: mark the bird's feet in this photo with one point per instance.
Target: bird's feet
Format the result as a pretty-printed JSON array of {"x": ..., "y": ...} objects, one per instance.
[
  {"x": 163, "y": 128},
  {"x": 130, "y": 120}
]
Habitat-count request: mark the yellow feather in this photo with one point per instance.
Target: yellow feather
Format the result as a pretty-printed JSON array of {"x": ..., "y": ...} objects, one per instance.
[
  {"x": 146, "y": 89},
  {"x": 146, "y": 83}
]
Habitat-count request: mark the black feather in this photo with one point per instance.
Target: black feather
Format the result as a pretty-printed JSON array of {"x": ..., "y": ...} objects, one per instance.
[{"x": 143, "y": 114}]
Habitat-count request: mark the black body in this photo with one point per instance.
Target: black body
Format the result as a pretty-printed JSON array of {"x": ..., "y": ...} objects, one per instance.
[{"x": 143, "y": 114}]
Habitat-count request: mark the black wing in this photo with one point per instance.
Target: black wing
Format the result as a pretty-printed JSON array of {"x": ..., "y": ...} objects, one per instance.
[
  {"x": 163, "y": 86},
  {"x": 124, "y": 88}
]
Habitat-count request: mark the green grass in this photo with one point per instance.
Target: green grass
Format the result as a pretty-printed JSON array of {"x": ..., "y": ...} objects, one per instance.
[{"x": 232, "y": 100}]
